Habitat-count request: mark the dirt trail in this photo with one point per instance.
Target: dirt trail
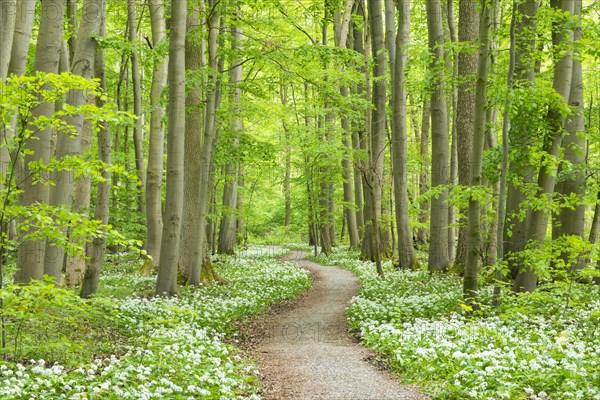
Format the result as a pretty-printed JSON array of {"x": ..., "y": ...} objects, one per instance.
[{"x": 303, "y": 351}]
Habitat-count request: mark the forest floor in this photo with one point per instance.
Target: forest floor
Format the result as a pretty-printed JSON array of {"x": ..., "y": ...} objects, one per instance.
[{"x": 303, "y": 349}]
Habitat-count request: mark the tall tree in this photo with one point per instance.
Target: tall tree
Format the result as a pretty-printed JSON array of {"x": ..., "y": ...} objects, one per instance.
[
  {"x": 406, "y": 252},
  {"x": 96, "y": 250},
  {"x": 30, "y": 261},
  {"x": 468, "y": 25},
  {"x": 438, "y": 244},
  {"x": 227, "y": 235},
  {"x": 537, "y": 225},
  {"x": 8, "y": 14},
  {"x": 154, "y": 172},
  {"x": 167, "y": 274},
  {"x": 474, "y": 215},
  {"x": 136, "y": 81},
  {"x": 377, "y": 137}
]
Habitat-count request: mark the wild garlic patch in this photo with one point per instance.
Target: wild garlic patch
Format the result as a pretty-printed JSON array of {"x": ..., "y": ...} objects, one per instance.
[
  {"x": 178, "y": 349},
  {"x": 532, "y": 347}
]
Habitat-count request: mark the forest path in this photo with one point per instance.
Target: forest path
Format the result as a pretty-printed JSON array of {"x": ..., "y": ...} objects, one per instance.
[{"x": 303, "y": 350}]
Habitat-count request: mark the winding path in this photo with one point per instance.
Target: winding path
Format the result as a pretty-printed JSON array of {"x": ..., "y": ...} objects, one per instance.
[{"x": 304, "y": 351}]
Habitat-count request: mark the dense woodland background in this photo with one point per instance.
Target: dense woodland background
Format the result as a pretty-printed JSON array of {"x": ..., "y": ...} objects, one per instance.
[{"x": 457, "y": 137}]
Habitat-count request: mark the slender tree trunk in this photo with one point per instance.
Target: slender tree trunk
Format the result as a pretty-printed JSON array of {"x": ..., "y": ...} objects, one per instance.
[
  {"x": 422, "y": 233},
  {"x": 167, "y": 274},
  {"x": 399, "y": 140},
  {"x": 8, "y": 14},
  {"x": 468, "y": 19},
  {"x": 67, "y": 146},
  {"x": 515, "y": 227},
  {"x": 474, "y": 224},
  {"x": 227, "y": 234},
  {"x": 30, "y": 261},
  {"x": 438, "y": 245},
  {"x": 452, "y": 229},
  {"x": 378, "y": 137},
  {"x": 75, "y": 267},
  {"x": 154, "y": 175},
  {"x": 138, "y": 130},
  {"x": 526, "y": 279},
  {"x": 572, "y": 221},
  {"x": 97, "y": 248},
  {"x": 349, "y": 198},
  {"x": 241, "y": 223}
]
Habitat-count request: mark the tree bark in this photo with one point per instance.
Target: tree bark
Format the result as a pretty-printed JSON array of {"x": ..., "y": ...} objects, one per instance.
[
  {"x": 154, "y": 174},
  {"x": 399, "y": 140},
  {"x": 468, "y": 18},
  {"x": 191, "y": 249},
  {"x": 30, "y": 261},
  {"x": 474, "y": 224},
  {"x": 378, "y": 137},
  {"x": 97, "y": 248},
  {"x": 571, "y": 221},
  {"x": 68, "y": 146},
  {"x": 438, "y": 247},
  {"x": 166, "y": 283},
  {"x": 422, "y": 232},
  {"x": 8, "y": 16},
  {"x": 526, "y": 279},
  {"x": 138, "y": 130},
  {"x": 227, "y": 234}
]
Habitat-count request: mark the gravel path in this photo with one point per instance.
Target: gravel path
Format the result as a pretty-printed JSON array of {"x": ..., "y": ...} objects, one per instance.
[{"x": 303, "y": 351}]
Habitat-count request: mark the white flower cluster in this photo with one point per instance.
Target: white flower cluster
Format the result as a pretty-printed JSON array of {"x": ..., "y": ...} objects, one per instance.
[
  {"x": 179, "y": 351},
  {"x": 416, "y": 319}
]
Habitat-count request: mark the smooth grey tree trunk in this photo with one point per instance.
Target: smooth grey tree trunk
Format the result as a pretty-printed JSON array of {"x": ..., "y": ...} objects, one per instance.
[
  {"x": 67, "y": 146},
  {"x": 166, "y": 283},
  {"x": 8, "y": 16},
  {"x": 377, "y": 137},
  {"x": 571, "y": 221},
  {"x": 97, "y": 248},
  {"x": 438, "y": 244},
  {"x": 30, "y": 260},
  {"x": 227, "y": 234},
  {"x": 526, "y": 280},
  {"x": 138, "y": 129},
  {"x": 406, "y": 254},
  {"x": 423, "y": 232},
  {"x": 154, "y": 172},
  {"x": 452, "y": 111}
]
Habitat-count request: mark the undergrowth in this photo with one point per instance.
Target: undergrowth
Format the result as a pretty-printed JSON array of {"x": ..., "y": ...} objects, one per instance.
[
  {"x": 124, "y": 344},
  {"x": 533, "y": 346}
]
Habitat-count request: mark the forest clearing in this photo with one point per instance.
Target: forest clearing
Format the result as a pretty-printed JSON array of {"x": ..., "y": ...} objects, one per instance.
[{"x": 299, "y": 199}]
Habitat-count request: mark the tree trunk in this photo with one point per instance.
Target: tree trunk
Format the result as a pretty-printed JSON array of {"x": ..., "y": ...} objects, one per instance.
[
  {"x": 438, "y": 247},
  {"x": 468, "y": 25},
  {"x": 169, "y": 252},
  {"x": 422, "y": 232},
  {"x": 67, "y": 146},
  {"x": 515, "y": 227},
  {"x": 349, "y": 198},
  {"x": 154, "y": 175},
  {"x": 8, "y": 14},
  {"x": 97, "y": 248},
  {"x": 227, "y": 234},
  {"x": 378, "y": 137},
  {"x": 190, "y": 257},
  {"x": 474, "y": 224},
  {"x": 138, "y": 130},
  {"x": 30, "y": 261},
  {"x": 526, "y": 279},
  {"x": 572, "y": 221},
  {"x": 452, "y": 229},
  {"x": 75, "y": 268},
  {"x": 406, "y": 253}
]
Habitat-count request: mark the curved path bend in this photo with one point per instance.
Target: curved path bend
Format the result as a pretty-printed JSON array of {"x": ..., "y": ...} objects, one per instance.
[{"x": 304, "y": 351}]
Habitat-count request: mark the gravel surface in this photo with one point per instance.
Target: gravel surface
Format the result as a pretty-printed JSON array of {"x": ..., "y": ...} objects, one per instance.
[{"x": 303, "y": 350}]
